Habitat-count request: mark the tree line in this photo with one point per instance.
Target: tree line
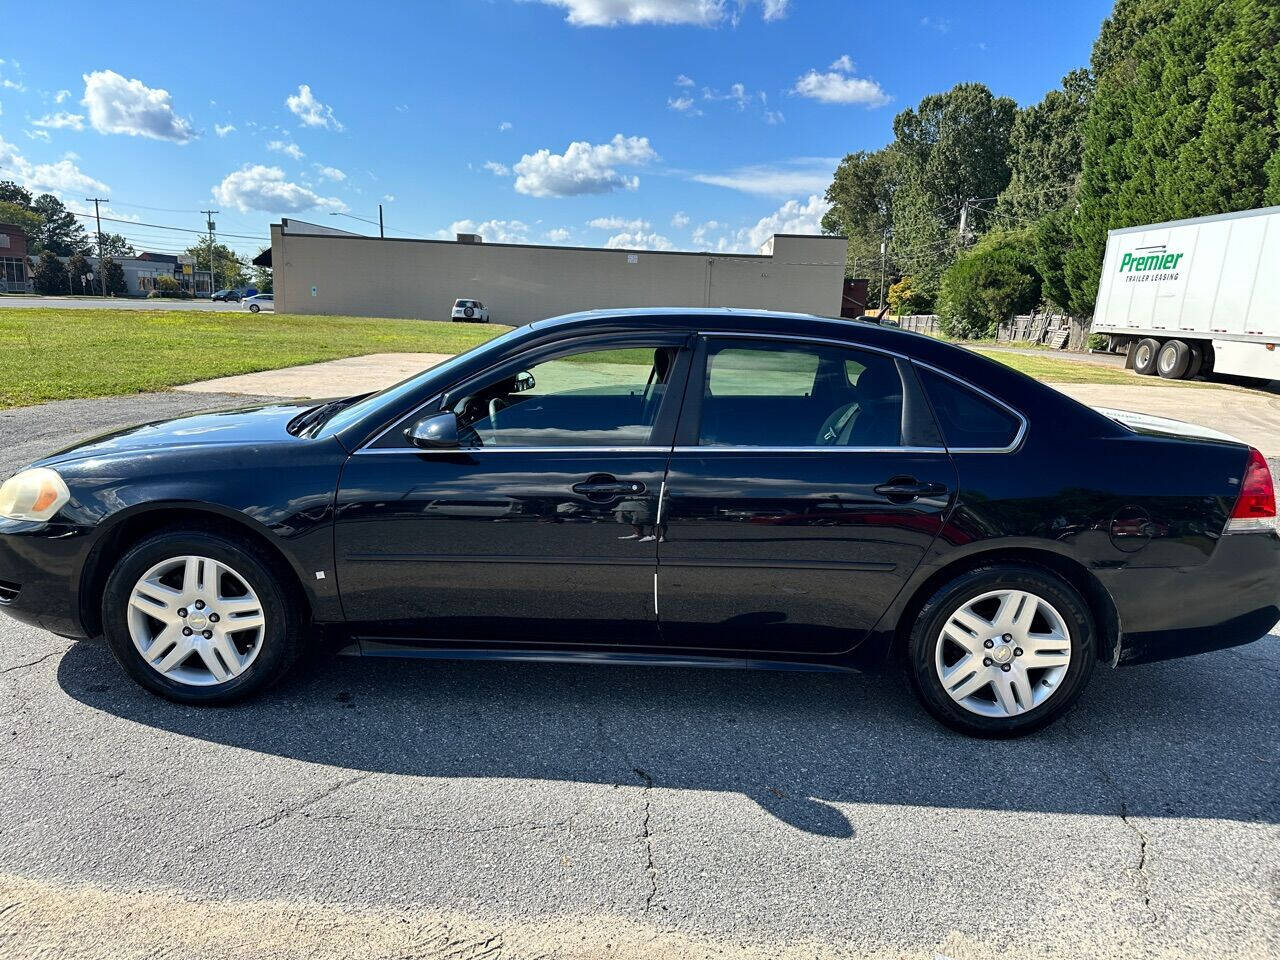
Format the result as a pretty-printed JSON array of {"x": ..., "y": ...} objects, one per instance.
[
  {"x": 988, "y": 210},
  {"x": 55, "y": 232}
]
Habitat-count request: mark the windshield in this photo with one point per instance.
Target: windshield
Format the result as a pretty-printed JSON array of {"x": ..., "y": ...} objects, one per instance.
[{"x": 391, "y": 395}]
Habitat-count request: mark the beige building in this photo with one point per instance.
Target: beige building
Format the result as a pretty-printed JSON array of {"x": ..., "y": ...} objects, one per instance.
[{"x": 322, "y": 270}]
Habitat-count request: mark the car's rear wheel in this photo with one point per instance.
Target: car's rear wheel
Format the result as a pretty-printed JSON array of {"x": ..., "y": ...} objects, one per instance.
[
  {"x": 1144, "y": 356},
  {"x": 1002, "y": 650},
  {"x": 199, "y": 617}
]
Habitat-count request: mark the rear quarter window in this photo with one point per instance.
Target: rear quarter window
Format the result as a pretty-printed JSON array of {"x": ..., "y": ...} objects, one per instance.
[{"x": 968, "y": 419}]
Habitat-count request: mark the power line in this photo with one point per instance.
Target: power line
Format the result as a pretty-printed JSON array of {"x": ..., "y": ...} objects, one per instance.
[{"x": 162, "y": 226}]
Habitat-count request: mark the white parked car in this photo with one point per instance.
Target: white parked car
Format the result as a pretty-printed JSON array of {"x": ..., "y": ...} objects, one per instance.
[
  {"x": 259, "y": 302},
  {"x": 470, "y": 311}
]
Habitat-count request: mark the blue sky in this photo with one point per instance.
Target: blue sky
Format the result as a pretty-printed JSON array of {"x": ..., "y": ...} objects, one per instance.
[{"x": 685, "y": 124}]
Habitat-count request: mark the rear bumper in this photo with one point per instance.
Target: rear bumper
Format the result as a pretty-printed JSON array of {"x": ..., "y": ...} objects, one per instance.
[
  {"x": 40, "y": 568},
  {"x": 1232, "y": 599}
]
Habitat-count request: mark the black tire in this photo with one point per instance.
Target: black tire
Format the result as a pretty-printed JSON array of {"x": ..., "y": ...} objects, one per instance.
[
  {"x": 469, "y": 312},
  {"x": 254, "y": 308},
  {"x": 285, "y": 619},
  {"x": 1173, "y": 359},
  {"x": 1144, "y": 357},
  {"x": 950, "y": 597},
  {"x": 1197, "y": 362}
]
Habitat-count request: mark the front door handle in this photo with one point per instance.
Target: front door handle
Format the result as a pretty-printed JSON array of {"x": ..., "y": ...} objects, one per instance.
[
  {"x": 604, "y": 487},
  {"x": 906, "y": 489}
]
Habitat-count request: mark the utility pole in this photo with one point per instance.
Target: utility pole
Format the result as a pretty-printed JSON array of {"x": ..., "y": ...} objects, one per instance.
[
  {"x": 381, "y": 233},
  {"x": 98, "y": 216},
  {"x": 884, "y": 249},
  {"x": 964, "y": 221},
  {"x": 208, "y": 219}
]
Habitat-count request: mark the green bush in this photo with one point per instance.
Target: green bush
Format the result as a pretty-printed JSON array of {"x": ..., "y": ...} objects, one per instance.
[
  {"x": 988, "y": 285},
  {"x": 168, "y": 286},
  {"x": 907, "y": 299}
]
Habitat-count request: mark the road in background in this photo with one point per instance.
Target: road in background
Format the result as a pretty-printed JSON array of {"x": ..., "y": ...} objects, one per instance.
[
  {"x": 115, "y": 303},
  {"x": 502, "y": 810}
]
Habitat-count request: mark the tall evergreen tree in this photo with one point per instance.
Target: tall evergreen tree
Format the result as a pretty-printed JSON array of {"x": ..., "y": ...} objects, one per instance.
[
  {"x": 861, "y": 198},
  {"x": 1185, "y": 121},
  {"x": 60, "y": 233}
]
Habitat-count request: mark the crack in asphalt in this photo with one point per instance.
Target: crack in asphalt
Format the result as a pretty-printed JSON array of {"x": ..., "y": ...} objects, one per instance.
[
  {"x": 647, "y": 836},
  {"x": 266, "y": 823},
  {"x": 31, "y": 663},
  {"x": 532, "y": 826},
  {"x": 1143, "y": 876}
]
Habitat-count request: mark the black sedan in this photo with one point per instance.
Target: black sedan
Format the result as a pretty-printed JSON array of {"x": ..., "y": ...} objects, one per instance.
[{"x": 709, "y": 487}]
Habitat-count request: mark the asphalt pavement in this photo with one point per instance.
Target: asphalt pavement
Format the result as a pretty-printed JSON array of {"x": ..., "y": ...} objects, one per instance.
[
  {"x": 487, "y": 810},
  {"x": 114, "y": 303}
]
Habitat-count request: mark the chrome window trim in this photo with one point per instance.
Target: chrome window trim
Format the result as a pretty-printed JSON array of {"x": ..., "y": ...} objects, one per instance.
[{"x": 738, "y": 335}]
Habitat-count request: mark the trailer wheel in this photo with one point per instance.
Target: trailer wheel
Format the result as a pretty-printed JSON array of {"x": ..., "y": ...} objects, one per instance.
[
  {"x": 1144, "y": 357},
  {"x": 1173, "y": 359},
  {"x": 1197, "y": 362}
]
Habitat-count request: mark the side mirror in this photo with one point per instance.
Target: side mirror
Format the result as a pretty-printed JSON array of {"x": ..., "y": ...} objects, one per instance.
[
  {"x": 524, "y": 381},
  {"x": 436, "y": 432}
]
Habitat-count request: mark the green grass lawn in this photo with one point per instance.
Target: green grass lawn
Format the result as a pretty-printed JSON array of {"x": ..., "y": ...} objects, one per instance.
[
  {"x": 1054, "y": 370},
  {"x": 52, "y": 354},
  {"x": 55, "y": 354}
]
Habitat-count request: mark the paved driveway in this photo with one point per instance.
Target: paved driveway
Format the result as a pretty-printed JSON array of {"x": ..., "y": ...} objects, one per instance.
[{"x": 370, "y": 808}]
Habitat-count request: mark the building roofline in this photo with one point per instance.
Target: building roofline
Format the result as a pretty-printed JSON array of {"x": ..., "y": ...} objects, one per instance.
[{"x": 561, "y": 246}]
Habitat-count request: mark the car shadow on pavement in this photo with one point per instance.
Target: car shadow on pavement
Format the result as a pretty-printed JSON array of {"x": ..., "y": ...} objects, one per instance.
[{"x": 1181, "y": 739}]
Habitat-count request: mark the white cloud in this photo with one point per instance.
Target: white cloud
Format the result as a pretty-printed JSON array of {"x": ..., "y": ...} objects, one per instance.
[
  {"x": 684, "y": 81},
  {"x": 639, "y": 241},
  {"x": 497, "y": 169},
  {"x": 59, "y": 121},
  {"x": 737, "y": 94},
  {"x": 774, "y": 117},
  {"x": 941, "y": 24},
  {"x": 683, "y": 105},
  {"x": 38, "y": 135},
  {"x": 331, "y": 173},
  {"x": 259, "y": 187},
  {"x": 794, "y": 216},
  {"x": 838, "y": 85},
  {"x": 289, "y": 149},
  {"x": 702, "y": 13},
  {"x": 618, "y": 223},
  {"x": 118, "y": 105},
  {"x": 62, "y": 177},
  {"x": 311, "y": 111},
  {"x": 504, "y": 126},
  {"x": 559, "y": 235},
  {"x": 222, "y": 129},
  {"x": 388, "y": 198},
  {"x": 679, "y": 219},
  {"x": 801, "y": 175},
  {"x": 583, "y": 168},
  {"x": 61, "y": 96},
  {"x": 493, "y": 231}
]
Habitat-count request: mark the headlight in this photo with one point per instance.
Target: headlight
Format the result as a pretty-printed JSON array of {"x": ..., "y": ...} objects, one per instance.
[{"x": 35, "y": 494}]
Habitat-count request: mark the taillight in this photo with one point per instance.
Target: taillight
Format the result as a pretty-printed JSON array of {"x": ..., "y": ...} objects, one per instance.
[{"x": 1255, "y": 508}]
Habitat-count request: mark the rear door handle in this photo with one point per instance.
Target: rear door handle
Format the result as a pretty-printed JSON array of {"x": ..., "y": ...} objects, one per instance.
[
  {"x": 607, "y": 488},
  {"x": 906, "y": 489}
]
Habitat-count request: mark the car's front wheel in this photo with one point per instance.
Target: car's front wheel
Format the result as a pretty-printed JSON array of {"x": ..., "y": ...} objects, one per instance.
[
  {"x": 1002, "y": 650},
  {"x": 199, "y": 617},
  {"x": 254, "y": 308}
]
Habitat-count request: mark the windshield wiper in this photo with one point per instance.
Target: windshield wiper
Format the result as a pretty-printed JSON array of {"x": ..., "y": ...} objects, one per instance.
[{"x": 315, "y": 417}]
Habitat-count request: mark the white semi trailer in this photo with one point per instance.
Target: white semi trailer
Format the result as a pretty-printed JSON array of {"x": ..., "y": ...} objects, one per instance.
[{"x": 1194, "y": 297}]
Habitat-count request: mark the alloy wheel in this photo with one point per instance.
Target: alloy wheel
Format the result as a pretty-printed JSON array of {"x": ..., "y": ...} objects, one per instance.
[
  {"x": 196, "y": 621},
  {"x": 1003, "y": 653}
]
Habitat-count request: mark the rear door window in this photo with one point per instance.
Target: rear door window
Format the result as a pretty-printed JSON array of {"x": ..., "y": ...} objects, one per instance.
[{"x": 775, "y": 394}]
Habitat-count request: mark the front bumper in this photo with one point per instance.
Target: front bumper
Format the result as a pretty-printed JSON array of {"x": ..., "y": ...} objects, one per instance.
[
  {"x": 40, "y": 565},
  {"x": 1231, "y": 599}
]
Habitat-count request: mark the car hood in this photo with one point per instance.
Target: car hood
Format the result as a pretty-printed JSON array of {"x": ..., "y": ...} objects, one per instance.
[
  {"x": 246, "y": 426},
  {"x": 1164, "y": 427}
]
